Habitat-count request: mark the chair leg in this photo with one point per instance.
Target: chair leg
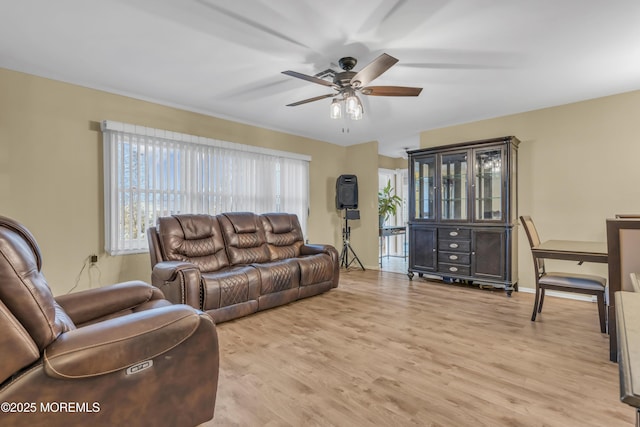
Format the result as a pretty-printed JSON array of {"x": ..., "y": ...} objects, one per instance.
[
  {"x": 601, "y": 312},
  {"x": 535, "y": 304},
  {"x": 541, "y": 300}
]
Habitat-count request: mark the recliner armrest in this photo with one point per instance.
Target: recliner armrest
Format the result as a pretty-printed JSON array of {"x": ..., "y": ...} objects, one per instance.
[
  {"x": 118, "y": 343},
  {"x": 85, "y": 306},
  {"x": 166, "y": 271},
  {"x": 180, "y": 281},
  {"x": 313, "y": 249}
]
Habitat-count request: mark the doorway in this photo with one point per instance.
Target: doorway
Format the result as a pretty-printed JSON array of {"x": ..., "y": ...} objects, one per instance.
[{"x": 393, "y": 248}]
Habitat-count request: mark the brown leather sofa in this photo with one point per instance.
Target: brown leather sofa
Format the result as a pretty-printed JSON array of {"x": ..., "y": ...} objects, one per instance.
[
  {"x": 115, "y": 355},
  {"x": 234, "y": 264}
]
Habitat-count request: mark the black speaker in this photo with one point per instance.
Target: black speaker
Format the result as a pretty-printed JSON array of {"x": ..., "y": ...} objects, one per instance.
[{"x": 347, "y": 192}]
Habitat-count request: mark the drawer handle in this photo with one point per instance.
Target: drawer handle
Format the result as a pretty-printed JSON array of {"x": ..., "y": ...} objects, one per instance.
[
  {"x": 453, "y": 245},
  {"x": 453, "y": 233},
  {"x": 453, "y": 256},
  {"x": 453, "y": 268}
]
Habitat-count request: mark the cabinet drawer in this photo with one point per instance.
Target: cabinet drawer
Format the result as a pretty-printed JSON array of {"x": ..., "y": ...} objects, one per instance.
[
  {"x": 454, "y": 258},
  {"x": 455, "y": 233},
  {"x": 460, "y": 270},
  {"x": 454, "y": 245}
]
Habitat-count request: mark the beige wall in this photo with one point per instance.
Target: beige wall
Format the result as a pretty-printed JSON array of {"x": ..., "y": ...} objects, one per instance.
[
  {"x": 386, "y": 162},
  {"x": 578, "y": 166},
  {"x": 51, "y": 171},
  {"x": 363, "y": 162}
]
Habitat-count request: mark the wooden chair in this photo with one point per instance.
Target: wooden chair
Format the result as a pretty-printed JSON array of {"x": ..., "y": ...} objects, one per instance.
[{"x": 565, "y": 282}]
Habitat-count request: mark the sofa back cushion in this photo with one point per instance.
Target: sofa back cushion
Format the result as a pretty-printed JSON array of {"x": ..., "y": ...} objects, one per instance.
[
  {"x": 193, "y": 238},
  {"x": 283, "y": 234},
  {"x": 244, "y": 238}
]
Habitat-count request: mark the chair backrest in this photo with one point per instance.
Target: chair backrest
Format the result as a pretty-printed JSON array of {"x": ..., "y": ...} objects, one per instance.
[
  {"x": 623, "y": 246},
  {"x": 30, "y": 317},
  {"x": 534, "y": 240},
  {"x": 193, "y": 238},
  {"x": 283, "y": 234},
  {"x": 244, "y": 237}
]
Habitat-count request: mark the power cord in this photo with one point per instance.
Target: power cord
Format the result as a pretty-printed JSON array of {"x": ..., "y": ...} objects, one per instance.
[{"x": 91, "y": 261}]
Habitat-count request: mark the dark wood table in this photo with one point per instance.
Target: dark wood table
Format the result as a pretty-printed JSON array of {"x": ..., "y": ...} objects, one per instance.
[
  {"x": 571, "y": 250},
  {"x": 582, "y": 251},
  {"x": 628, "y": 321}
]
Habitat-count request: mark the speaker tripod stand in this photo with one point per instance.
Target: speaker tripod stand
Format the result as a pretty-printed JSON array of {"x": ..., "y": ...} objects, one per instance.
[{"x": 346, "y": 245}]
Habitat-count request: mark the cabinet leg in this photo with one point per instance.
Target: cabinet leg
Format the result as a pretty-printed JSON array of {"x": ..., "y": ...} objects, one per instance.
[
  {"x": 410, "y": 275},
  {"x": 508, "y": 291}
]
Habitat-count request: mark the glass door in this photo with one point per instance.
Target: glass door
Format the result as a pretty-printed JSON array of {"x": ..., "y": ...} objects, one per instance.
[
  {"x": 488, "y": 185},
  {"x": 454, "y": 191},
  {"x": 424, "y": 170}
]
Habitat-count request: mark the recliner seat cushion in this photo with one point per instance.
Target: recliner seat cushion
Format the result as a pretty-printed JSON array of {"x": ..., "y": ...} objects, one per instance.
[{"x": 230, "y": 286}]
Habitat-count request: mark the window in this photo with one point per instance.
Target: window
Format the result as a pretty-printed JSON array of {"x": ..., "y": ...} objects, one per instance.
[{"x": 151, "y": 173}]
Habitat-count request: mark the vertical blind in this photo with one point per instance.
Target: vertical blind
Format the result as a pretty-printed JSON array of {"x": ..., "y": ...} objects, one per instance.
[{"x": 151, "y": 173}]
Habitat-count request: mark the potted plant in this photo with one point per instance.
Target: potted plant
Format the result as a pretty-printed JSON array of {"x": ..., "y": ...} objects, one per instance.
[{"x": 387, "y": 203}]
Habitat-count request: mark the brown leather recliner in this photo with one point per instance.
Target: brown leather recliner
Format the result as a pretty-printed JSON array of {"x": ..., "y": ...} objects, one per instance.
[
  {"x": 116, "y": 355},
  {"x": 235, "y": 264},
  {"x": 247, "y": 244}
]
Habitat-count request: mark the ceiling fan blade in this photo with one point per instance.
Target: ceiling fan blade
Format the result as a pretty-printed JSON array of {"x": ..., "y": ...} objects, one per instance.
[
  {"x": 311, "y": 79},
  {"x": 373, "y": 70},
  {"x": 391, "y": 91},
  {"x": 317, "y": 98}
]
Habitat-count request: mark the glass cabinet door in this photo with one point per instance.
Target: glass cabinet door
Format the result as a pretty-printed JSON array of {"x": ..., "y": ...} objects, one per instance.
[
  {"x": 424, "y": 169},
  {"x": 454, "y": 191},
  {"x": 488, "y": 185}
]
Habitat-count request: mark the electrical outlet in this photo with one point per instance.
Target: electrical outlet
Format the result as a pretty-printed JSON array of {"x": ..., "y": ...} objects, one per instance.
[{"x": 93, "y": 259}]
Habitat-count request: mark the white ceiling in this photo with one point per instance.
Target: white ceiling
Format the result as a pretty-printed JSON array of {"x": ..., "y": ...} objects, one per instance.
[{"x": 475, "y": 59}]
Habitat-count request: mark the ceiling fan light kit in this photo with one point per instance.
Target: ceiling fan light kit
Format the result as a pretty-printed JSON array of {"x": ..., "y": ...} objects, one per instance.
[
  {"x": 335, "y": 111},
  {"x": 347, "y": 83}
]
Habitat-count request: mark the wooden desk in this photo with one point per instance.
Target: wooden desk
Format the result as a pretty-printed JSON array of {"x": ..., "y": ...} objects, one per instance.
[{"x": 628, "y": 321}]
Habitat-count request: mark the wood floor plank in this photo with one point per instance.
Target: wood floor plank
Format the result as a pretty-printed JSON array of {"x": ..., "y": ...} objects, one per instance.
[{"x": 381, "y": 350}]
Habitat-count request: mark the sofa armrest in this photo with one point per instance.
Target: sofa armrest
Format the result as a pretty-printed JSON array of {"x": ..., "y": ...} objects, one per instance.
[
  {"x": 313, "y": 249},
  {"x": 118, "y": 343},
  {"x": 91, "y": 304},
  {"x": 179, "y": 281}
]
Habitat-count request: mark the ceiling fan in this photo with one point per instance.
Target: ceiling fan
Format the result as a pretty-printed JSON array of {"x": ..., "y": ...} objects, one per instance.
[{"x": 348, "y": 83}]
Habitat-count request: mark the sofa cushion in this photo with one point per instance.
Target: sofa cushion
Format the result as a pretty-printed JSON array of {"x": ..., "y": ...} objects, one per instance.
[
  {"x": 244, "y": 237},
  {"x": 229, "y": 286},
  {"x": 279, "y": 282},
  {"x": 283, "y": 235},
  {"x": 193, "y": 238},
  {"x": 315, "y": 269}
]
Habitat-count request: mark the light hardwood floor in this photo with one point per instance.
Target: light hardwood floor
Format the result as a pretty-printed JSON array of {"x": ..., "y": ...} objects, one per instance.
[{"x": 381, "y": 350}]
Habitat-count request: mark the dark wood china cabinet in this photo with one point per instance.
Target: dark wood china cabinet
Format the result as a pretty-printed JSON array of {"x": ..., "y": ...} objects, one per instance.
[{"x": 463, "y": 212}]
